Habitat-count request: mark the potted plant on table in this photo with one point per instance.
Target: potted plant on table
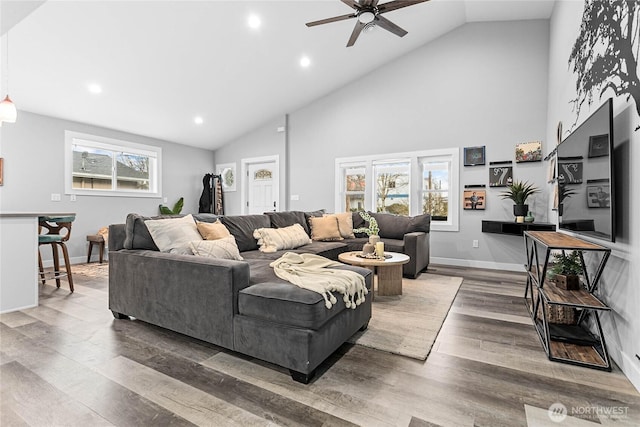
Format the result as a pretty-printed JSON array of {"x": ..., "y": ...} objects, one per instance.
[
  {"x": 565, "y": 270},
  {"x": 519, "y": 191},
  {"x": 564, "y": 193}
]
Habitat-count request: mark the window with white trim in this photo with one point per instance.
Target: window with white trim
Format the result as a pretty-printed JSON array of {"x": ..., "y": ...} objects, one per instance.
[
  {"x": 402, "y": 183},
  {"x": 100, "y": 166}
]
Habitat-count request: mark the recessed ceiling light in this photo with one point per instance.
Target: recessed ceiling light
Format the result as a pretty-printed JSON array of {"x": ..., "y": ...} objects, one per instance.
[
  {"x": 254, "y": 21},
  {"x": 198, "y": 120},
  {"x": 94, "y": 88},
  {"x": 305, "y": 61}
]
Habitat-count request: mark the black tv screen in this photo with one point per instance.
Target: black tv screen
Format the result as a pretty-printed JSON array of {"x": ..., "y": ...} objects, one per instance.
[{"x": 585, "y": 174}]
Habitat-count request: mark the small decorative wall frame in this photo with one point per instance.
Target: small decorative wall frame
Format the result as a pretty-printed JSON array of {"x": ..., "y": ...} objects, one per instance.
[
  {"x": 598, "y": 193},
  {"x": 474, "y": 156},
  {"x": 599, "y": 145},
  {"x": 500, "y": 174},
  {"x": 474, "y": 198},
  {"x": 227, "y": 172},
  {"x": 529, "y": 152},
  {"x": 570, "y": 173}
]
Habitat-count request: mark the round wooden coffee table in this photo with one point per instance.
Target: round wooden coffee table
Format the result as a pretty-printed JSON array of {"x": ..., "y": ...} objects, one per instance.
[{"x": 388, "y": 270}]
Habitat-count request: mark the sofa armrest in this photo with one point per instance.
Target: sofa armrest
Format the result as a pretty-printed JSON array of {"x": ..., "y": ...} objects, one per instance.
[
  {"x": 116, "y": 237},
  {"x": 416, "y": 245},
  {"x": 196, "y": 296}
]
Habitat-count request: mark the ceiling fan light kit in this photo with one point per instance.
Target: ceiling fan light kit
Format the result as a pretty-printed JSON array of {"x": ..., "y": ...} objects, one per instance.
[
  {"x": 369, "y": 15},
  {"x": 8, "y": 112}
]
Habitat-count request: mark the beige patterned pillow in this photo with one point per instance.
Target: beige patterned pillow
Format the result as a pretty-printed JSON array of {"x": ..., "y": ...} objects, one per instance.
[
  {"x": 325, "y": 228},
  {"x": 173, "y": 234},
  {"x": 224, "y": 248},
  {"x": 212, "y": 230},
  {"x": 345, "y": 224},
  {"x": 275, "y": 239}
]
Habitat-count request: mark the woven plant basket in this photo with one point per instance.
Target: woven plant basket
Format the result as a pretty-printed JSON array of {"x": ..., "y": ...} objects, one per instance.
[{"x": 556, "y": 313}]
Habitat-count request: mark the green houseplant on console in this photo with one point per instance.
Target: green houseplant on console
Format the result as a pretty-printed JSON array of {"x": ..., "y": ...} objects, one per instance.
[
  {"x": 519, "y": 191},
  {"x": 565, "y": 270}
]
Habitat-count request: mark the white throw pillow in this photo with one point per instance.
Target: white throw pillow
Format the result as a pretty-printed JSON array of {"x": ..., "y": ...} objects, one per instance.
[
  {"x": 225, "y": 248},
  {"x": 173, "y": 234},
  {"x": 275, "y": 239}
]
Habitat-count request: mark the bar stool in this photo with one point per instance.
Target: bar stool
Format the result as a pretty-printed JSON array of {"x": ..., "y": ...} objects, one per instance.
[
  {"x": 95, "y": 239},
  {"x": 58, "y": 232}
]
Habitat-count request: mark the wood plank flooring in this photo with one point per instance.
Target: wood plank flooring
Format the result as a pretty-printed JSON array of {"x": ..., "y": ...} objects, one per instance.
[{"x": 68, "y": 362}]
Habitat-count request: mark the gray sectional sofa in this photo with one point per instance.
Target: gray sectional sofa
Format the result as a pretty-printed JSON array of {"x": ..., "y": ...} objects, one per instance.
[{"x": 242, "y": 305}]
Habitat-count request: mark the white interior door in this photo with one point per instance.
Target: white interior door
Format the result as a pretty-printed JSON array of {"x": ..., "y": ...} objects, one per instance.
[{"x": 262, "y": 187}]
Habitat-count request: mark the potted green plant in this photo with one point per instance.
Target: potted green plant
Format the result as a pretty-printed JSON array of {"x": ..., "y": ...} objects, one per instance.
[
  {"x": 519, "y": 191},
  {"x": 563, "y": 193},
  {"x": 565, "y": 270},
  {"x": 177, "y": 208}
]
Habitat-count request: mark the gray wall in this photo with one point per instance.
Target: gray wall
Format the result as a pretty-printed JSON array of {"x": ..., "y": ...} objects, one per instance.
[
  {"x": 33, "y": 151},
  {"x": 264, "y": 141},
  {"x": 481, "y": 84},
  {"x": 619, "y": 285}
]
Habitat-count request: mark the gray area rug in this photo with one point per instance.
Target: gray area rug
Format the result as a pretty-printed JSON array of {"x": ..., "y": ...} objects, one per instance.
[{"x": 408, "y": 324}]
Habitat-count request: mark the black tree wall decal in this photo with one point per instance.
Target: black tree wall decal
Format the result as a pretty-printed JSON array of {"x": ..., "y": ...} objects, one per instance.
[{"x": 605, "y": 54}]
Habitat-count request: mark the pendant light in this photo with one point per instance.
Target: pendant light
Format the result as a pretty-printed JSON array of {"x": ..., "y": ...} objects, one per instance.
[{"x": 8, "y": 112}]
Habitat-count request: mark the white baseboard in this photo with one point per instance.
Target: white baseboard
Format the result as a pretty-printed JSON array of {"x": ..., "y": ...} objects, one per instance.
[
  {"x": 478, "y": 264},
  {"x": 629, "y": 365}
]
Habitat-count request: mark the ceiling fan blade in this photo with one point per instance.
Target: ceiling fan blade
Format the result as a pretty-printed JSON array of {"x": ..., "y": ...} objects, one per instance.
[
  {"x": 398, "y": 4},
  {"x": 352, "y": 4},
  {"x": 329, "y": 20},
  {"x": 383, "y": 22},
  {"x": 366, "y": 4},
  {"x": 356, "y": 32}
]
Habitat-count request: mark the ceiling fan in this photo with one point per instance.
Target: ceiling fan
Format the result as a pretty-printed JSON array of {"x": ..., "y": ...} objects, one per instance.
[{"x": 369, "y": 14}]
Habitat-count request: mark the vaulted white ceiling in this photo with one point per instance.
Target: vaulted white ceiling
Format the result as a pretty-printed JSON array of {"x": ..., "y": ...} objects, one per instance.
[{"x": 161, "y": 63}]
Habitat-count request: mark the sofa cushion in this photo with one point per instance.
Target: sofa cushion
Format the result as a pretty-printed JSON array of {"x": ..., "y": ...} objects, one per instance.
[
  {"x": 391, "y": 226},
  {"x": 325, "y": 228},
  {"x": 241, "y": 227},
  {"x": 286, "y": 219},
  {"x": 345, "y": 224},
  {"x": 223, "y": 248},
  {"x": 287, "y": 304},
  {"x": 173, "y": 234},
  {"x": 137, "y": 234},
  {"x": 420, "y": 223},
  {"x": 206, "y": 217},
  {"x": 212, "y": 230},
  {"x": 276, "y": 239}
]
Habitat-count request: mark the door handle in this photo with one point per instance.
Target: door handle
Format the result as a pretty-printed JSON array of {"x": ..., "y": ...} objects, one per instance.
[{"x": 274, "y": 205}]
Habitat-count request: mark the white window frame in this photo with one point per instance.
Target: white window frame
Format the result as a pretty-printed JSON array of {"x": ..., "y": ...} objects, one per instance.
[
  {"x": 416, "y": 159},
  {"x": 72, "y": 138}
]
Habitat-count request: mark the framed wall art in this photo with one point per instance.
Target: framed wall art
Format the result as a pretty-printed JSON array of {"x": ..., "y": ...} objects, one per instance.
[
  {"x": 599, "y": 145},
  {"x": 529, "y": 152},
  {"x": 599, "y": 195},
  {"x": 570, "y": 173},
  {"x": 227, "y": 172},
  {"x": 474, "y": 199},
  {"x": 474, "y": 156},
  {"x": 500, "y": 175}
]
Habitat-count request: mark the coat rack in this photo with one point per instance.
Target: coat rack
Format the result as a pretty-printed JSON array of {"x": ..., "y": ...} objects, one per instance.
[{"x": 211, "y": 200}]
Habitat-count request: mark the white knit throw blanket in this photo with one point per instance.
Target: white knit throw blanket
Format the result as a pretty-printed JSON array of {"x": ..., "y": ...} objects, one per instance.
[{"x": 309, "y": 271}]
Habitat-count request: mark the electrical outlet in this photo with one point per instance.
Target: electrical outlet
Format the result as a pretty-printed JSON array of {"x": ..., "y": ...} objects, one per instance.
[
  {"x": 476, "y": 244},
  {"x": 295, "y": 197},
  {"x": 55, "y": 197},
  {"x": 165, "y": 200},
  {"x": 72, "y": 198}
]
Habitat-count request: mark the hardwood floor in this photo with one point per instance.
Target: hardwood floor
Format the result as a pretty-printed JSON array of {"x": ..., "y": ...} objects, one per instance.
[{"x": 68, "y": 362}]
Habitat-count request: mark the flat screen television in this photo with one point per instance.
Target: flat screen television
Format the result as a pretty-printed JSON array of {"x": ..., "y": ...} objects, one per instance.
[{"x": 586, "y": 179}]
